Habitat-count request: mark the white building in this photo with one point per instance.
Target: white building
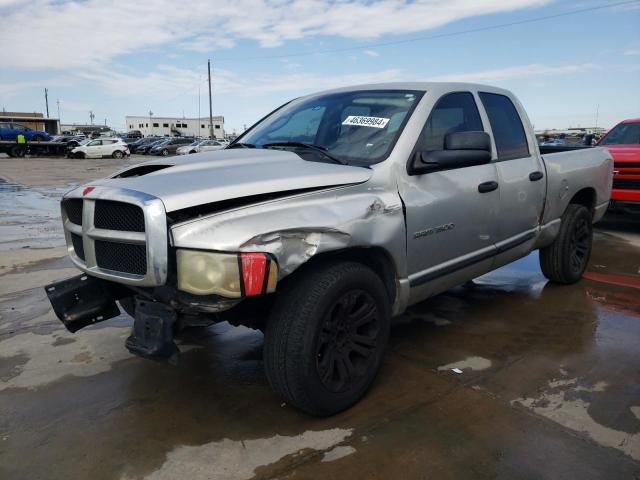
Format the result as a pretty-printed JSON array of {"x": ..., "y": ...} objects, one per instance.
[{"x": 174, "y": 126}]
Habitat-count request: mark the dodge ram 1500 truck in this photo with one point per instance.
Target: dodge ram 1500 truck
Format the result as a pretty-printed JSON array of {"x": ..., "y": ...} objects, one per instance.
[{"x": 324, "y": 220}]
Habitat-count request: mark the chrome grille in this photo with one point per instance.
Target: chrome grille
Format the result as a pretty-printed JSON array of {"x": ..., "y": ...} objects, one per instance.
[{"x": 117, "y": 234}]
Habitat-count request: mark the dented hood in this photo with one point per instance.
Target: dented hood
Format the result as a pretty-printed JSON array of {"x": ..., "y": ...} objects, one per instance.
[{"x": 182, "y": 182}]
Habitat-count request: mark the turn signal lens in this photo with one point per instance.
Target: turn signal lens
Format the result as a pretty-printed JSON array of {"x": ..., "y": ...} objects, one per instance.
[{"x": 208, "y": 273}]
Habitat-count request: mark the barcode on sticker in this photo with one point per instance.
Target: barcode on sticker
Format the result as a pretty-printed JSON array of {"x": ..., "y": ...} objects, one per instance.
[{"x": 375, "y": 122}]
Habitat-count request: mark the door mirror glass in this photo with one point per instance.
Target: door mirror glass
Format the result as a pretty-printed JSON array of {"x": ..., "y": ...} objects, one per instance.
[{"x": 461, "y": 149}]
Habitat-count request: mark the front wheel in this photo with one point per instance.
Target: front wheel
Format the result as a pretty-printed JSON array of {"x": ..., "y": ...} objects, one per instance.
[
  {"x": 326, "y": 337},
  {"x": 565, "y": 260},
  {"x": 164, "y": 152}
]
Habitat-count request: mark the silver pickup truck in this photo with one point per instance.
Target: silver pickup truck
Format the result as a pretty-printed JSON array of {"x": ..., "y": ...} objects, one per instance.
[{"x": 324, "y": 220}]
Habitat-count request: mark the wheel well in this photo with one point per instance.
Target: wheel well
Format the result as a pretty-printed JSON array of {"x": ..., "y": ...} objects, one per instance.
[
  {"x": 377, "y": 259},
  {"x": 585, "y": 197}
]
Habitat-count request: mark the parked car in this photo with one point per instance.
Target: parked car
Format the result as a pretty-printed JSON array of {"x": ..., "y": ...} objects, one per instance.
[
  {"x": 322, "y": 221},
  {"x": 72, "y": 141},
  {"x": 200, "y": 146},
  {"x": 170, "y": 146},
  {"x": 10, "y": 131},
  {"x": 100, "y": 147},
  {"x": 554, "y": 142},
  {"x": 147, "y": 146},
  {"x": 134, "y": 134},
  {"x": 623, "y": 142}
]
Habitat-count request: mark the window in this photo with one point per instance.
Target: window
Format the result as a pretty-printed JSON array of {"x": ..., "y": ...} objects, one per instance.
[
  {"x": 140, "y": 125},
  {"x": 146, "y": 124},
  {"x": 130, "y": 127},
  {"x": 623, "y": 134},
  {"x": 454, "y": 112},
  {"x": 156, "y": 124},
  {"x": 201, "y": 126},
  {"x": 508, "y": 132},
  {"x": 95, "y": 143},
  {"x": 165, "y": 125},
  {"x": 184, "y": 125},
  {"x": 359, "y": 127},
  {"x": 218, "y": 126}
]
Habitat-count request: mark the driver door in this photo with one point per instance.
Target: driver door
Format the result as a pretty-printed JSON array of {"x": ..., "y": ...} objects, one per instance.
[
  {"x": 451, "y": 220},
  {"x": 94, "y": 149}
]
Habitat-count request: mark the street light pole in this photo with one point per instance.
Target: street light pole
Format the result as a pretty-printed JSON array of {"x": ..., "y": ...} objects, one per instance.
[{"x": 210, "y": 103}]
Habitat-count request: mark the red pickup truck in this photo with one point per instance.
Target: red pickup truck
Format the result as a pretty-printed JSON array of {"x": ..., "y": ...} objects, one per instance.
[{"x": 623, "y": 142}]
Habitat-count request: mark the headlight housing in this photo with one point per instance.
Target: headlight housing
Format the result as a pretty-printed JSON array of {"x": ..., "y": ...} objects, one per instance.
[{"x": 229, "y": 275}]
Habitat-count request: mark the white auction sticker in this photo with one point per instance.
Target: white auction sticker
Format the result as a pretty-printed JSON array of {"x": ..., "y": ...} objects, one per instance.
[{"x": 375, "y": 122}]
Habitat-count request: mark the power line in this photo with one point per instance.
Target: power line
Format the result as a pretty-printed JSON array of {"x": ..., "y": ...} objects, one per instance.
[{"x": 432, "y": 37}]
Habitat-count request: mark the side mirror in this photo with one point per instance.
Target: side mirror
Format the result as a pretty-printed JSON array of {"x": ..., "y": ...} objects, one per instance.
[{"x": 461, "y": 149}]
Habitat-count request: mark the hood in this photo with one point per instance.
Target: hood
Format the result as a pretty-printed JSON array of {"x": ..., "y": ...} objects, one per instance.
[
  {"x": 624, "y": 153},
  {"x": 208, "y": 177}
]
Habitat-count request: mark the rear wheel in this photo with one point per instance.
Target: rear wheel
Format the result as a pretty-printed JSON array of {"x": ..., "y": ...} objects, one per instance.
[
  {"x": 326, "y": 337},
  {"x": 565, "y": 260},
  {"x": 79, "y": 155},
  {"x": 164, "y": 152},
  {"x": 117, "y": 154}
]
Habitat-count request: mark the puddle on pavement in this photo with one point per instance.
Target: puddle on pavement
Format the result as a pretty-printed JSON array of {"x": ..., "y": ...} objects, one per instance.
[{"x": 29, "y": 218}]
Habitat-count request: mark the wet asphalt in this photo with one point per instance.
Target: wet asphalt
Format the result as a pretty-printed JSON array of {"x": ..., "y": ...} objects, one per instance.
[{"x": 549, "y": 382}]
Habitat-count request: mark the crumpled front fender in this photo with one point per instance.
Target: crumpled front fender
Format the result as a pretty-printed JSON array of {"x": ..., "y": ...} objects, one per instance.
[{"x": 296, "y": 229}]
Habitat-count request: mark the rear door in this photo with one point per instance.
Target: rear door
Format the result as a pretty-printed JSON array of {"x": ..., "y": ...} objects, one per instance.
[
  {"x": 450, "y": 223},
  {"x": 520, "y": 176}
]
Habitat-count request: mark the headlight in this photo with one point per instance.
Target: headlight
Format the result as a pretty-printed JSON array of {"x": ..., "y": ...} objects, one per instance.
[{"x": 226, "y": 274}]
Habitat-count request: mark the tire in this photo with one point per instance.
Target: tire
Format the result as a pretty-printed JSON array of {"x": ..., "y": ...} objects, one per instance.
[
  {"x": 164, "y": 152},
  {"x": 79, "y": 155},
  {"x": 17, "y": 151},
  {"x": 565, "y": 260},
  {"x": 316, "y": 357},
  {"x": 117, "y": 154}
]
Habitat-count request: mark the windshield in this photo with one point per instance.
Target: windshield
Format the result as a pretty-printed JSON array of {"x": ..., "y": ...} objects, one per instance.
[
  {"x": 359, "y": 127},
  {"x": 85, "y": 141},
  {"x": 623, "y": 134}
]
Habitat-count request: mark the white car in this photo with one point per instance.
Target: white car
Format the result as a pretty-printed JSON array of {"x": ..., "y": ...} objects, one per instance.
[
  {"x": 101, "y": 147},
  {"x": 200, "y": 146}
]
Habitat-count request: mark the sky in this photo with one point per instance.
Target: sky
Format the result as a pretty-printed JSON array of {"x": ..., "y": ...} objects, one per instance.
[{"x": 118, "y": 57}]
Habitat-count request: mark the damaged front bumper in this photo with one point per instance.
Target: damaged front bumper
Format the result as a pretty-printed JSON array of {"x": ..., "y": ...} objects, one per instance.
[{"x": 84, "y": 300}]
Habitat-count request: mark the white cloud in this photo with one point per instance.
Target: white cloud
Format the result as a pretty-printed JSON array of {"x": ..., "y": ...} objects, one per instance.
[
  {"x": 92, "y": 32},
  {"x": 520, "y": 71},
  {"x": 371, "y": 53},
  {"x": 632, "y": 51},
  {"x": 168, "y": 83}
]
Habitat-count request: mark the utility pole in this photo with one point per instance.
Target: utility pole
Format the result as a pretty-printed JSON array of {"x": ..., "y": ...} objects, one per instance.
[
  {"x": 210, "y": 103},
  {"x": 58, "y": 103},
  {"x": 150, "y": 120},
  {"x": 46, "y": 100},
  {"x": 597, "y": 114},
  {"x": 199, "y": 117},
  {"x": 91, "y": 116}
]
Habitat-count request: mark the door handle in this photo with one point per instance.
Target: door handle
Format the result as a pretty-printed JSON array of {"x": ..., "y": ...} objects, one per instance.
[
  {"x": 487, "y": 187},
  {"x": 535, "y": 176}
]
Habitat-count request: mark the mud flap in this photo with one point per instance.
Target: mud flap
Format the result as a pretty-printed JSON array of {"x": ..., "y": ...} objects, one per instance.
[
  {"x": 80, "y": 301},
  {"x": 152, "y": 334}
]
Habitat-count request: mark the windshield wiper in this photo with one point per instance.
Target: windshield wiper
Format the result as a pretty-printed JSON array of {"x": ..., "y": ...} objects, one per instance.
[
  {"x": 316, "y": 148},
  {"x": 241, "y": 145}
]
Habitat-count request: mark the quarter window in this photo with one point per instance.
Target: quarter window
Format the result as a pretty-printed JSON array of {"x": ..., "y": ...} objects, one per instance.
[
  {"x": 508, "y": 132},
  {"x": 454, "y": 112}
]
